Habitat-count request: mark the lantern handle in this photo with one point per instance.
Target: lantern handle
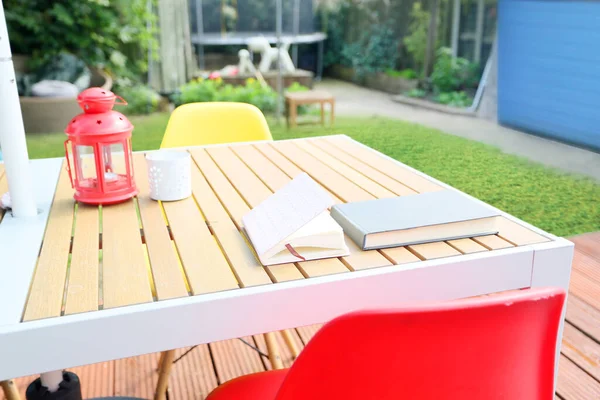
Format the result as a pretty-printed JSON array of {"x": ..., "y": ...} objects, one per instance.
[
  {"x": 68, "y": 163},
  {"x": 122, "y": 103}
]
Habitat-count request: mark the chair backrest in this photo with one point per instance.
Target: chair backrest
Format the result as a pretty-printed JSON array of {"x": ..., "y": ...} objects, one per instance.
[
  {"x": 492, "y": 348},
  {"x": 198, "y": 124}
]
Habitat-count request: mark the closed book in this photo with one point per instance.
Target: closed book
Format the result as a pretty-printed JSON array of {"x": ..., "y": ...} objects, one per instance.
[{"x": 415, "y": 219}]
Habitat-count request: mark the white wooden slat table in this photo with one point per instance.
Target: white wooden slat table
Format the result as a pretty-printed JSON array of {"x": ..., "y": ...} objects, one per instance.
[{"x": 85, "y": 284}]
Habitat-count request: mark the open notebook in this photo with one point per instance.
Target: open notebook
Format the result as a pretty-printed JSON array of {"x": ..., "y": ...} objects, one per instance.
[{"x": 294, "y": 225}]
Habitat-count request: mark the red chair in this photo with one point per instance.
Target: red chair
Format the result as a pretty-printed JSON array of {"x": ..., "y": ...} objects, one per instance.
[{"x": 492, "y": 348}]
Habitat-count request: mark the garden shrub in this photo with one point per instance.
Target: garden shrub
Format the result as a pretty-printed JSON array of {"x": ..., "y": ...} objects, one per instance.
[
  {"x": 453, "y": 74},
  {"x": 140, "y": 99},
  {"x": 416, "y": 40}
]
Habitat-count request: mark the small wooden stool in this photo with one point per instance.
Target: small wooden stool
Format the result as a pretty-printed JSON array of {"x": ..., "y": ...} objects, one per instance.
[{"x": 294, "y": 99}]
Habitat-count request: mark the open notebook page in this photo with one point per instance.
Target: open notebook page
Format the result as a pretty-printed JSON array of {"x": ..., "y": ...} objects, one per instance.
[{"x": 284, "y": 212}]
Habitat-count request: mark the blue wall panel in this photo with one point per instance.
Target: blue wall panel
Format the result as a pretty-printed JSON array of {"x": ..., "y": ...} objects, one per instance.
[{"x": 549, "y": 68}]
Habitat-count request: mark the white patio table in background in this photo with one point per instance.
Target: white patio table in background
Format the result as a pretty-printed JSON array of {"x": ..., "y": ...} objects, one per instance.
[{"x": 84, "y": 284}]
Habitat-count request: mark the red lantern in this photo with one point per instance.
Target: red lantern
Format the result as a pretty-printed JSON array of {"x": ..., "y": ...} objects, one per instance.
[{"x": 98, "y": 150}]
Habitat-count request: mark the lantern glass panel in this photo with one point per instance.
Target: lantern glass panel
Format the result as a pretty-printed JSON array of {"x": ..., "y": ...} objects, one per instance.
[
  {"x": 115, "y": 170},
  {"x": 86, "y": 166}
]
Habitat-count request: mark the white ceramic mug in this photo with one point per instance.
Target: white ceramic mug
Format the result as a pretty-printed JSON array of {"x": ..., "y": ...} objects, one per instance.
[{"x": 169, "y": 175}]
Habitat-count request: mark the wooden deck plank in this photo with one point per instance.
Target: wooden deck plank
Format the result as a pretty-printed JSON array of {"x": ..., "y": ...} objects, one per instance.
[
  {"x": 247, "y": 269},
  {"x": 574, "y": 383},
  {"x": 124, "y": 270},
  {"x": 584, "y": 316},
  {"x": 587, "y": 265},
  {"x": 83, "y": 285},
  {"x": 406, "y": 177},
  {"x": 585, "y": 288},
  {"x": 582, "y": 350},
  {"x": 255, "y": 191},
  {"x": 387, "y": 182},
  {"x": 193, "y": 376},
  {"x": 205, "y": 265},
  {"x": 47, "y": 289},
  {"x": 588, "y": 244},
  {"x": 467, "y": 246},
  {"x": 97, "y": 379},
  {"x": 169, "y": 280},
  {"x": 237, "y": 206},
  {"x": 136, "y": 376},
  {"x": 233, "y": 358},
  {"x": 369, "y": 185},
  {"x": 332, "y": 180}
]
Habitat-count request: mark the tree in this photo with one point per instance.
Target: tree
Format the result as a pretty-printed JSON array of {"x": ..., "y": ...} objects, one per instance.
[{"x": 431, "y": 38}]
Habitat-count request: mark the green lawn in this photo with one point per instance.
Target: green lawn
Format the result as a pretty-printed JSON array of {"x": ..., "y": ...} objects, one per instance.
[{"x": 559, "y": 203}]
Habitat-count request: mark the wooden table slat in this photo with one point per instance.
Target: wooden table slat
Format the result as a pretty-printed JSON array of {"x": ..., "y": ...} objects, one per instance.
[
  {"x": 369, "y": 185},
  {"x": 400, "y": 255},
  {"x": 169, "y": 280},
  {"x": 439, "y": 249},
  {"x": 235, "y": 204},
  {"x": 493, "y": 242},
  {"x": 83, "y": 285},
  {"x": 467, "y": 246},
  {"x": 332, "y": 180},
  {"x": 205, "y": 265},
  {"x": 518, "y": 234},
  {"x": 246, "y": 267},
  {"x": 387, "y": 182},
  {"x": 247, "y": 184},
  {"x": 429, "y": 251},
  {"x": 388, "y": 167},
  {"x": 125, "y": 273},
  {"x": 47, "y": 289},
  {"x": 274, "y": 178},
  {"x": 287, "y": 166},
  {"x": 252, "y": 188}
]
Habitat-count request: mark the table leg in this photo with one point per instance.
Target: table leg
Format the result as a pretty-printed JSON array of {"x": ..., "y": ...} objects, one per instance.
[
  {"x": 10, "y": 390},
  {"x": 163, "y": 374},
  {"x": 332, "y": 115},
  {"x": 293, "y": 113},
  {"x": 322, "y": 103},
  {"x": 289, "y": 341},
  {"x": 273, "y": 350}
]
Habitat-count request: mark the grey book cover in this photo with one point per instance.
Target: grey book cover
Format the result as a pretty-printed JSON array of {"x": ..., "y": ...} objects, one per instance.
[{"x": 408, "y": 212}]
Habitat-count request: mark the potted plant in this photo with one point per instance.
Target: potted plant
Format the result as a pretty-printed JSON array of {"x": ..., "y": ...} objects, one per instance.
[{"x": 109, "y": 38}]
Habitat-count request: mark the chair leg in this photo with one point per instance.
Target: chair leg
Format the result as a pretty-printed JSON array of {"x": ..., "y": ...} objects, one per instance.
[
  {"x": 164, "y": 370},
  {"x": 291, "y": 344},
  {"x": 332, "y": 116},
  {"x": 273, "y": 351},
  {"x": 10, "y": 390}
]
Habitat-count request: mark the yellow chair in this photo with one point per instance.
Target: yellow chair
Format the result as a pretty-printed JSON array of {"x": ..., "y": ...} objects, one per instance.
[{"x": 197, "y": 124}]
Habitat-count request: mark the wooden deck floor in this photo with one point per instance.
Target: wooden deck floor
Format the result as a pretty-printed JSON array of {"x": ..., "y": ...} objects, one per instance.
[{"x": 206, "y": 366}]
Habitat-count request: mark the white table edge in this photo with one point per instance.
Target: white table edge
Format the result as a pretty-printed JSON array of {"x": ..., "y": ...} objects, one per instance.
[{"x": 14, "y": 335}]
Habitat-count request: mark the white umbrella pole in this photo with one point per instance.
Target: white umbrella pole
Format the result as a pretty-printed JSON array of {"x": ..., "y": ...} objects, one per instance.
[
  {"x": 278, "y": 28},
  {"x": 12, "y": 132}
]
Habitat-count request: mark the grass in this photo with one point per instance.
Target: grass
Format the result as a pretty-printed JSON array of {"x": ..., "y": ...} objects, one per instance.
[{"x": 559, "y": 203}]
